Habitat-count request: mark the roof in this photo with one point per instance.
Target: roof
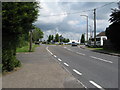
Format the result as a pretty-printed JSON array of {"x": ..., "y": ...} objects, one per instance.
[{"x": 101, "y": 34}]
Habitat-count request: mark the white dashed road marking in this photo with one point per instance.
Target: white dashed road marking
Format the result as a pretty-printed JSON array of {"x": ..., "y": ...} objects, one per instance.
[
  {"x": 101, "y": 59},
  {"x": 77, "y": 72},
  {"x": 55, "y": 56},
  {"x": 59, "y": 59},
  {"x": 66, "y": 64},
  {"x": 80, "y": 53},
  {"x": 96, "y": 85}
]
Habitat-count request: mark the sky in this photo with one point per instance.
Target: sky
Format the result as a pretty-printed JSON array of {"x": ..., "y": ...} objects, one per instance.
[{"x": 65, "y": 18}]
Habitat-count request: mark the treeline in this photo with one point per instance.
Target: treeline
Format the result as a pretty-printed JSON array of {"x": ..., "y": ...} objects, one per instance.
[
  {"x": 57, "y": 38},
  {"x": 17, "y": 21}
]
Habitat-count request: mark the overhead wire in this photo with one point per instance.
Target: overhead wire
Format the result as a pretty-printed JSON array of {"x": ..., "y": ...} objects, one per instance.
[{"x": 68, "y": 13}]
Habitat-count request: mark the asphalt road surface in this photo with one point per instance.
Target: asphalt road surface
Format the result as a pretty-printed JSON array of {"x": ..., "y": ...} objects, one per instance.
[{"x": 94, "y": 70}]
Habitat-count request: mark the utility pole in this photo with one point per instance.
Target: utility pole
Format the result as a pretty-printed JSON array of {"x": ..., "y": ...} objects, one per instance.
[{"x": 94, "y": 27}]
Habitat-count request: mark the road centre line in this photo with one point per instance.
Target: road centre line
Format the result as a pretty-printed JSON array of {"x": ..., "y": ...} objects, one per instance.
[
  {"x": 55, "y": 56},
  {"x": 77, "y": 72},
  {"x": 66, "y": 64},
  {"x": 59, "y": 59},
  {"x": 101, "y": 59},
  {"x": 80, "y": 53},
  {"x": 96, "y": 85},
  {"x": 69, "y": 49}
]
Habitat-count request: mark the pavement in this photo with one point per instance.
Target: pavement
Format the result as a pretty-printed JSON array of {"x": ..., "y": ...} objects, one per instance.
[
  {"x": 100, "y": 51},
  {"x": 40, "y": 70}
]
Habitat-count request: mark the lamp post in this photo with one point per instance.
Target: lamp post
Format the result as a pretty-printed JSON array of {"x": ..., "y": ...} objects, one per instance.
[
  {"x": 90, "y": 31},
  {"x": 86, "y": 27}
]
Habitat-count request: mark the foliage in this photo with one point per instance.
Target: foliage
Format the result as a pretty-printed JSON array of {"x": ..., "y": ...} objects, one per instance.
[
  {"x": 82, "y": 38},
  {"x": 49, "y": 38},
  {"x": 26, "y": 48},
  {"x": 66, "y": 40},
  {"x": 37, "y": 34},
  {"x": 113, "y": 31},
  {"x": 57, "y": 37},
  {"x": 17, "y": 19}
]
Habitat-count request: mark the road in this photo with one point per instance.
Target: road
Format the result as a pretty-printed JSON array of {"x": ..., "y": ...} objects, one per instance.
[{"x": 94, "y": 70}]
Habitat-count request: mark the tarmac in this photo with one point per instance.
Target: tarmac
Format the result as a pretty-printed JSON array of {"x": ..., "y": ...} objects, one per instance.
[{"x": 39, "y": 70}]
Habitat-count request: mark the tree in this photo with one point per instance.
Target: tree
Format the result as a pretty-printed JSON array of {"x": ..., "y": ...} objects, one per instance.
[
  {"x": 82, "y": 38},
  {"x": 113, "y": 31},
  {"x": 61, "y": 38},
  {"x": 17, "y": 19},
  {"x": 57, "y": 37},
  {"x": 52, "y": 37},
  {"x": 37, "y": 34},
  {"x": 49, "y": 38}
]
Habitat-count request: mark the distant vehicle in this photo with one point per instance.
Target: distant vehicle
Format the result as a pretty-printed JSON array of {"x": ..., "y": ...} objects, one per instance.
[
  {"x": 37, "y": 42},
  {"x": 74, "y": 44},
  {"x": 61, "y": 43}
]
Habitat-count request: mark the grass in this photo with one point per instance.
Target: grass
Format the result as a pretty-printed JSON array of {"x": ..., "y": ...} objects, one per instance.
[
  {"x": 26, "y": 48},
  {"x": 101, "y": 49},
  {"x": 95, "y": 48}
]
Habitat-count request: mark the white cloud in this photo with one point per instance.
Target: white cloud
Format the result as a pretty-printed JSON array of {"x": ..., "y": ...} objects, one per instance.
[
  {"x": 73, "y": 22},
  {"x": 71, "y": 25}
]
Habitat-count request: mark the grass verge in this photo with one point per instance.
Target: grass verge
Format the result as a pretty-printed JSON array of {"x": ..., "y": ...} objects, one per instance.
[
  {"x": 102, "y": 49},
  {"x": 26, "y": 48}
]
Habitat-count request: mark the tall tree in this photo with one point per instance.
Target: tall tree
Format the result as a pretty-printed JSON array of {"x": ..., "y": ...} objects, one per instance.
[
  {"x": 113, "y": 31},
  {"x": 82, "y": 38},
  {"x": 57, "y": 37},
  {"x": 49, "y": 38},
  {"x": 17, "y": 19},
  {"x": 52, "y": 37}
]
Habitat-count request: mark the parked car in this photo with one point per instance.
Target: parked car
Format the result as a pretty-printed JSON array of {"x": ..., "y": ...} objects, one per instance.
[
  {"x": 74, "y": 44},
  {"x": 37, "y": 42}
]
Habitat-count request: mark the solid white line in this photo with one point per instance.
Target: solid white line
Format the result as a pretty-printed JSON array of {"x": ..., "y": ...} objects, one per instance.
[
  {"x": 82, "y": 84},
  {"x": 55, "y": 56},
  {"x": 59, "y": 59},
  {"x": 98, "y": 86},
  {"x": 101, "y": 59},
  {"x": 49, "y": 51},
  {"x": 80, "y": 53},
  {"x": 77, "y": 72},
  {"x": 66, "y": 64}
]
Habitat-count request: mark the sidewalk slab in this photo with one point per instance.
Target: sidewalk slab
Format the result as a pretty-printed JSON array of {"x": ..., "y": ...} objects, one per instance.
[{"x": 39, "y": 70}]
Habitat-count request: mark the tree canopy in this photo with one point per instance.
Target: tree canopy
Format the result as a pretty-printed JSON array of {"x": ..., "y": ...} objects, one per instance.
[
  {"x": 37, "y": 34},
  {"x": 17, "y": 19},
  {"x": 82, "y": 38},
  {"x": 113, "y": 31}
]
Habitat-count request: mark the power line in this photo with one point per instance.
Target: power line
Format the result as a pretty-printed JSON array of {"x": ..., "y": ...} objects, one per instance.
[
  {"x": 68, "y": 13},
  {"x": 105, "y": 5},
  {"x": 82, "y": 11}
]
